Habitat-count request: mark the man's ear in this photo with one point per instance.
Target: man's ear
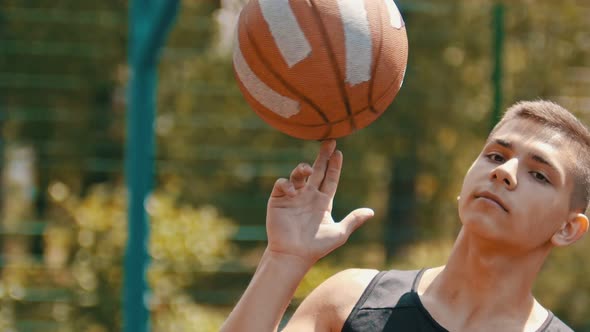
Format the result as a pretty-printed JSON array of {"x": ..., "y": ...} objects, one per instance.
[{"x": 571, "y": 230}]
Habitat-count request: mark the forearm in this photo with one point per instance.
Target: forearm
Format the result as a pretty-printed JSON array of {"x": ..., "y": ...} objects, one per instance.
[{"x": 270, "y": 291}]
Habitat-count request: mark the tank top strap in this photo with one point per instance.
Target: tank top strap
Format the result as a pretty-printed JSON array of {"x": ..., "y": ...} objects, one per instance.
[{"x": 417, "y": 279}]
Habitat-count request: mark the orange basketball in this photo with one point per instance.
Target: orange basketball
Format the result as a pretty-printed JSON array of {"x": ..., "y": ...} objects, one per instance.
[{"x": 318, "y": 69}]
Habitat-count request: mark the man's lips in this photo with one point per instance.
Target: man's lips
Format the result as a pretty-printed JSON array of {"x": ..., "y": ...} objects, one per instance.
[{"x": 494, "y": 198}]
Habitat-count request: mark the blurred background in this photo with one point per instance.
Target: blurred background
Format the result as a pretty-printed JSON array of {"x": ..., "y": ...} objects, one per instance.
[{"x": 63, "y": 206}]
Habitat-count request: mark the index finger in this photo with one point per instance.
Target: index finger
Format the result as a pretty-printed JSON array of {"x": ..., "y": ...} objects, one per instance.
[
  {"x": 330, "y": 184},
  {"x": 321, "y": 163}
]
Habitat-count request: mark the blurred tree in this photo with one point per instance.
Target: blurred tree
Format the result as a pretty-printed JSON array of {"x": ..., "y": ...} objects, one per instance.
[{"x": 90, "y": 239}]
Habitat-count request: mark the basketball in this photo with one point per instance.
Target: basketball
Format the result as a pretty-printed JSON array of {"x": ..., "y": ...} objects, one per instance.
[{"x": 319, "y": 69}]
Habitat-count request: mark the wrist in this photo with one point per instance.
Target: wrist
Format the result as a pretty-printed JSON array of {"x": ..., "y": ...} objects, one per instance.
[{"x": 294, "y": 263}]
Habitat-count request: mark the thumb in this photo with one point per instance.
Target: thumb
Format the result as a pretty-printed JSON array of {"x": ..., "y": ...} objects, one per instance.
[{"x": 355, "y": 219}]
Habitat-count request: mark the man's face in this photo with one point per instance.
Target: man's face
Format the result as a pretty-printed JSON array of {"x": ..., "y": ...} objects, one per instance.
[{"x": 517, "y": 192}]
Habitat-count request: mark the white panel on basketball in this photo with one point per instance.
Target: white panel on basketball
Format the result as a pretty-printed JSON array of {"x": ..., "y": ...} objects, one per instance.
[
  {"x": 358, "y": 43},
  {"x": 285, "y": 30},
  {"x": 266, "y": 96},
  {"x": 395, "y": 18}
]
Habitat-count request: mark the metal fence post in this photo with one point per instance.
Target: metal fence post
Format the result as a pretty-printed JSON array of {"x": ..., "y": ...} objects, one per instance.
[
  {"x": 150, "y": 21},
  {"x": 497, "y": 49}
]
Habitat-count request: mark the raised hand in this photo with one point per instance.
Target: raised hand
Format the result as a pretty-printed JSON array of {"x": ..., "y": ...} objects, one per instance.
[{"x": 299, "y": 221}]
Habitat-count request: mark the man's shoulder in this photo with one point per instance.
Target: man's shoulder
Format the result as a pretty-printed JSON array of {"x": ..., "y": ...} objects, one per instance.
[
  {"x": 362, "y": 278},
  {"x": 347, "y": 285},
  {"x": 334, "y": 298},
  {"x": 355, "y": 275}
]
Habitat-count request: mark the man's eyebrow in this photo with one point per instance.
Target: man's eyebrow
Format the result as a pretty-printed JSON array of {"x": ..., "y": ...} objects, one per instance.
[
  {"x": 544, "y": 161},
  {"x": 503, "y": 143}
]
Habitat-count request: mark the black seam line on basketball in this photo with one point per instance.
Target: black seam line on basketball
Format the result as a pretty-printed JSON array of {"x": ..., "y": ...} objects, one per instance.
[
  {"x": 327, "y": 133},
  {"x": 377, "y": 58},
  {"x": 278, "y": 77},
  {"x": 392, "y": 84},
  {"x": 389, "y": 89},
  {"x": 335, "y": 68},
  {"x": 331, "y": 123},
  {"x": 354, "y": 113}
]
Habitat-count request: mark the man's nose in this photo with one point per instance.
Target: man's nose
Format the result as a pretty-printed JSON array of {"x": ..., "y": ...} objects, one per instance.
[{"x": 506, "y": 174}]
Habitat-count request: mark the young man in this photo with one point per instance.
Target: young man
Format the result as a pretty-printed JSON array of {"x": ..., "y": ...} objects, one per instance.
[{"x": 526, "y": 193}]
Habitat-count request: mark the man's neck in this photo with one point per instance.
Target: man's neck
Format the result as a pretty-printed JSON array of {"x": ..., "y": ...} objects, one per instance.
[{"x": 480, "y": 282}]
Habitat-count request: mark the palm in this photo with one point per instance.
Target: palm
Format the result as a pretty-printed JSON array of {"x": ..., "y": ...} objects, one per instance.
[{"x": 299, "y": 222}]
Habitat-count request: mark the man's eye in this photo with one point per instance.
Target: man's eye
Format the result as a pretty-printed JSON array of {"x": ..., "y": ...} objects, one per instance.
[
  {"x": 540, "y": 177},
  {"x": 495, "y": 157}
]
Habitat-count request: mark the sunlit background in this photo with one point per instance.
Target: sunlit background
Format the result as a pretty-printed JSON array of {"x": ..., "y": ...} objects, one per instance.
[{"x": 63, "y": 212}]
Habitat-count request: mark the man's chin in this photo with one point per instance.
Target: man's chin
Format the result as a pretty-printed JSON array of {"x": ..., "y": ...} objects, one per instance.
[{"x": 485, "y": 227}]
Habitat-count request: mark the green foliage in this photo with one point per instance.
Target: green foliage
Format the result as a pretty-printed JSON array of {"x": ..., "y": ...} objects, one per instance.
[
  {"x": 563, "y": 284},
  {"x": 183, "y": 241},
  {"x": 85, "y": 252},
  {"x": 184, "y": 315}
]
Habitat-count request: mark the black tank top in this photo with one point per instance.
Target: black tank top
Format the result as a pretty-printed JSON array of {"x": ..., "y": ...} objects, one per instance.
[{"x": 390, "y": 303}]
